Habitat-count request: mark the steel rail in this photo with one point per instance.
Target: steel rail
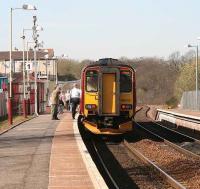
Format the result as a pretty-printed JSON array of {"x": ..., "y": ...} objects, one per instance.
[
  {"x": 184, "y": 135},
  {"x": 175, "y": 146},
  {"x": 104, "y": 166},
  {"x": 162, "y": 173}
]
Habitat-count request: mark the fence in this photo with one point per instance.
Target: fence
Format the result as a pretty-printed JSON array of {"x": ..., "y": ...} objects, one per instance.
[
  {"x": 18, "y": 98},
  {"x": 188, "y": 100},
  {"x": 3, "y": 107}
]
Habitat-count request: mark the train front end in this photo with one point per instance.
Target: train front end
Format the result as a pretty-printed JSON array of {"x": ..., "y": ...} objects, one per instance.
[{"x": 108, "y": 98}]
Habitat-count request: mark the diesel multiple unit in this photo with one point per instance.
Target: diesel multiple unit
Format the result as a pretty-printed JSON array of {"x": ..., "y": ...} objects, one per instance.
[{"x": 108, "y": 98}]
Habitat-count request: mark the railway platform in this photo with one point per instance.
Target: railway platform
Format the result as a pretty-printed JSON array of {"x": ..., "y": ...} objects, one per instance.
[
  {"x": 43, "y": 153},
  {"x": 184, "y": 118},
  {"x": 70, "y": 163}
]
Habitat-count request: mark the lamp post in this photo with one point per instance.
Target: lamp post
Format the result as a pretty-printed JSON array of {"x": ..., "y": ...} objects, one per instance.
[
  {"x": 5, "y": 67},
  {"x": 24, "y": 7},
  {"x": 55, "y": 68},
  {"x": 197, "y": 59},
  {"x": 35, "y": 38},
  {"x": 47, "y": 75},
  {"x": 46, "y": 63},
  {"x": 24, "y": 75},
  {"x": 28, "y": 76}
]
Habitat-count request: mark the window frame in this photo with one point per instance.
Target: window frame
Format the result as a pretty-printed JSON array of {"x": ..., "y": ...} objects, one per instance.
[
  {"x": 131, "y": 81},
  {"x": 86, "y": 81}
]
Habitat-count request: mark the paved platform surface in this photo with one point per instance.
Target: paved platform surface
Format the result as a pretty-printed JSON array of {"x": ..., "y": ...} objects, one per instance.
[
  {"x": 71, "y": 166},
  {"x": 25, "y": 153},
  {"x": 67, "y": 169},
  {"x": 188, "y": 113},
  {"x": 42, "y": 153}
]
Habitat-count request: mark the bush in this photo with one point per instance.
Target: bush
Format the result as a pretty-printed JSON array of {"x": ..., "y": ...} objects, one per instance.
[{"x": 172, "y": 102}]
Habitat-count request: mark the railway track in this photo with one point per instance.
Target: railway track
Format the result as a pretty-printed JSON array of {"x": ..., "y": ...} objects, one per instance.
[
  {"x": 193, "y": 134},
  {"x": 119, "y": 167},
  {"x": 104, "y": 166},
  {"x": 182, "y": 168},
  {"x": 192, "y": 144},
  {"x": 142, "y": 174},
  {"x": 187, "y": 131},
  {"x": 91, "y": 142},
  {"x": 147, "y": 160},
  {"x": 182, "y": 142},
  {"x": 182, "y": 162},
  {"x": 174, "y": 183}
]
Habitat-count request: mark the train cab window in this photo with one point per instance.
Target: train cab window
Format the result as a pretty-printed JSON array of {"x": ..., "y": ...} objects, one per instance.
[
  {"x": 125, "y": 81},
  {"x": 91, "y": 81}
]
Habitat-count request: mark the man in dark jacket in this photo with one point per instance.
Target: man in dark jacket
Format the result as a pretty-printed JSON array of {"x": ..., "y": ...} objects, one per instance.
[{"x": 55, "y": 102}]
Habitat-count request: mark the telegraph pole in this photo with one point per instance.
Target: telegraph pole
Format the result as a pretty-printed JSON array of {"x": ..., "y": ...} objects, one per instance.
[
  {"x": 24, "y": 78},
  {"x": 35, "y": 62}
]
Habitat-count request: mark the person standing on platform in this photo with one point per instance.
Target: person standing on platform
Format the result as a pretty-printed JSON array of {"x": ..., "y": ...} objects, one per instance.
[
  {"x": 61, "y": 103},
  {"x": 67, "y": 98},
  {"x": 75, "y": 99},
  {"x": 55, "y": 103}
]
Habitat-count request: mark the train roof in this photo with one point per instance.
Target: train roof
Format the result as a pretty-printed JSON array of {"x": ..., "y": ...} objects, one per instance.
[{"x": 108, "y": 62}]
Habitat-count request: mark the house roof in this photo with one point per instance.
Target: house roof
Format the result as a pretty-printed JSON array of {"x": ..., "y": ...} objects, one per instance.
[{"x": 18, "y": 55}]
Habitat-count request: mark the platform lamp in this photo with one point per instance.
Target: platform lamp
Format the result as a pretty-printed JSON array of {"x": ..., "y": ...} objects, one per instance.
[
  {"x": 28, "y": 76},
  {"x": 24, "y": 76},
  {"x": 197, "y": 59},
  {"x": 38, "y": 44},
  {"x": 46, "y": 56},
  {"x": 9, "y": 102},
  {"x": 55, "y": 58}
]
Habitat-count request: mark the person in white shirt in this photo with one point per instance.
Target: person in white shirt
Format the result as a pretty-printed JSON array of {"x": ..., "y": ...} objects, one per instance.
[{"x": 75, "y": 94}]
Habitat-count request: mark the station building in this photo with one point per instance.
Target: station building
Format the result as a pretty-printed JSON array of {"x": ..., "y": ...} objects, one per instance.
[
  {"x": 47, "y": 70},
  {"x": 45, "y": 60}
]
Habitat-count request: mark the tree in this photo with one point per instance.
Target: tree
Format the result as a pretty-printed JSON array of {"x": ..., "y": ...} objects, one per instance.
[
  {"x": 186, "y": 80},
  {"x": 175, "y": 61}
]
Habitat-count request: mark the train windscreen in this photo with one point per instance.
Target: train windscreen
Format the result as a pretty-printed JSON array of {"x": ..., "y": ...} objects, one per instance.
[
  {"x": 125, "y": 81},
  {"x": 91, "y": 81}
]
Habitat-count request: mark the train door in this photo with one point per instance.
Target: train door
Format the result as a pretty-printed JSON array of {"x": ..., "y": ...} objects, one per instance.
[{"x": 109, "y": 96}]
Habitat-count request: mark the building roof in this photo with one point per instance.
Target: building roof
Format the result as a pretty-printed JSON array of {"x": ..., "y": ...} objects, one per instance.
[{"x": 18, "y": 55}]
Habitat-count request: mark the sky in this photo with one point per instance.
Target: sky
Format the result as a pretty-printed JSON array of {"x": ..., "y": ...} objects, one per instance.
[{"x": 93, "y": 29}]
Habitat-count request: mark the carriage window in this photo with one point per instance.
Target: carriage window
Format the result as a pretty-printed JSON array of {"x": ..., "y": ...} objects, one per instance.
[
  {"x": 91, "y": 81},
  {"x": 125, "y": 81}
]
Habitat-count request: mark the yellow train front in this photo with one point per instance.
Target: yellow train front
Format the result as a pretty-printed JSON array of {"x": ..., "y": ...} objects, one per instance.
[{"x": 108, "y": 98}]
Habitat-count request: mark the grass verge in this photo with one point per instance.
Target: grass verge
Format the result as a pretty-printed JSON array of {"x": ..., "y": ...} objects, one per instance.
[{"x": 4, "y": 125}]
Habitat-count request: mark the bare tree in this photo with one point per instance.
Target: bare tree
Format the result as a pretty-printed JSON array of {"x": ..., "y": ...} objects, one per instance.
[{"x": 175, "y": 61}]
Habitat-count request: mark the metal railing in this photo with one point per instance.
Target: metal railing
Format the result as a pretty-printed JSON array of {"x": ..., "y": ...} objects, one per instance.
[{"x": 188, "y": 100}]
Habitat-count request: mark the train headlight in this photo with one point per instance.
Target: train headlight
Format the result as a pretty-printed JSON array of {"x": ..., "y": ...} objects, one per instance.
[
  {"x": 90, "y": 106},
  {"x": 126, "y": 106}
]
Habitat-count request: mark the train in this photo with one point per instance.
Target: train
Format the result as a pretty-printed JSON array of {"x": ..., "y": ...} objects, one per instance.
[{"x": 108, "y": 97}]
